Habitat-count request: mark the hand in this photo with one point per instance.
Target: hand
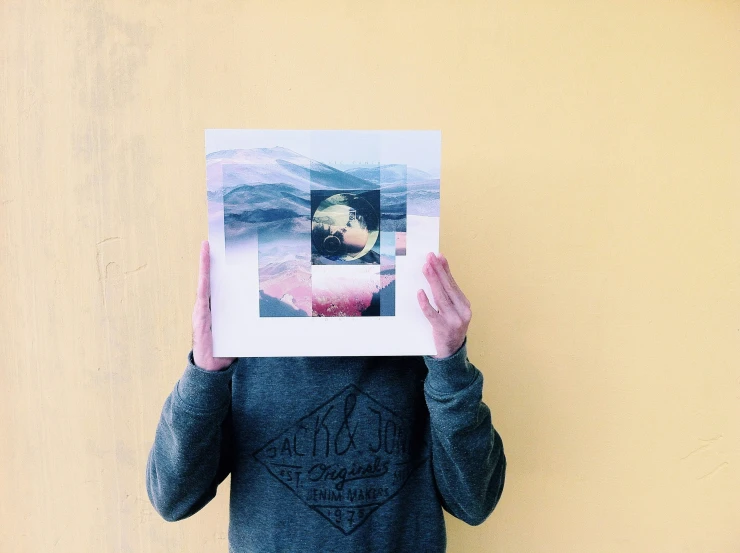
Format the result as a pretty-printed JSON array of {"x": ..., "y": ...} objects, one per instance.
[
  {"x": 202, "y": 334},
  {"x": 450, "y": 323}
]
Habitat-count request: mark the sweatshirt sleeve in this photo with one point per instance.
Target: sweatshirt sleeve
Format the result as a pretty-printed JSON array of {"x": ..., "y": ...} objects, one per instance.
[
  {"x": 467, "y": 453},
  {"x": 191, "y": 453}
]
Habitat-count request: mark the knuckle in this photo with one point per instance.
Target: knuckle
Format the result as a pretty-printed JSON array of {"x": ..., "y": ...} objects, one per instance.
[{"x": 454, "y": 321}]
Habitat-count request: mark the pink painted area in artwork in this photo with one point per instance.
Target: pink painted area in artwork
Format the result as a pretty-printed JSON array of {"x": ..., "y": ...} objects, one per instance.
[
  {"x": 328, "y": 304},
  {"x": 288, "y": 282},
  {"x": 348, "y": 297},
  {"x": 386, "y": 278},
  {"x": 400, "y": 243}
]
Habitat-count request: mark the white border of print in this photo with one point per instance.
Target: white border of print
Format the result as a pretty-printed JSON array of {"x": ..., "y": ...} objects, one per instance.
[{"x": 239, "y": 331}]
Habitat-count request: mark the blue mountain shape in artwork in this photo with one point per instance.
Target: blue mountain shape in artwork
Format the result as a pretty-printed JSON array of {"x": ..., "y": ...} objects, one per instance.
[
  {"x": 273, "y": 307},
  {"x": 267, "y": 194},
  {"x": 271, "y": 209},
  {"x": 250, "y": 154},
  {"x": 321, "y": 175},
  {"x": 264, "y": 215},
  {"x": 392, "y": 173},
  {"x": 270, "y": 187},
  {"x": 231, "y": 168}
]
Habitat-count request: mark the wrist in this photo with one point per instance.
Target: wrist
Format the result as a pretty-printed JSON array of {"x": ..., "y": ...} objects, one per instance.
[
  {"x": 449, "y": 350},
  {"x": 450, "y": 374},
  {"x": 200, "y": 390},
  {"x": 214, "y": 364}
]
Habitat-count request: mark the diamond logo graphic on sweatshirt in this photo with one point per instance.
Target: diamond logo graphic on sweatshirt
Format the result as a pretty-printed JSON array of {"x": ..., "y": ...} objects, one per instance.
[{"x": 346, "y": 458}]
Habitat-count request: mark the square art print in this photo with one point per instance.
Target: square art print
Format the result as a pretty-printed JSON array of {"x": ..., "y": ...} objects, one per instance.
[{"x": 318, "y": 239}]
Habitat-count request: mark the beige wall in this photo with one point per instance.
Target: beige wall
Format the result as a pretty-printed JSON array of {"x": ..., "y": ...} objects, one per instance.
[{"x": 591, "y": 210}]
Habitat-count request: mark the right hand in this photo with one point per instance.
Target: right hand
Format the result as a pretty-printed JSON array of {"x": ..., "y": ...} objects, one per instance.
[{"x": 202, "y": 334}]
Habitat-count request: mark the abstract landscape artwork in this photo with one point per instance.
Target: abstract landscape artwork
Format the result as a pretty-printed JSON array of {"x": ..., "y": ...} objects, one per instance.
[{"x": 318, "y": 239}]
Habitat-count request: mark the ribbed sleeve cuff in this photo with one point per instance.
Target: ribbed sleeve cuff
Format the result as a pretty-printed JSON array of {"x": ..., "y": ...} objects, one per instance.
[
  {"x": 450, "y": 374},
  {"x": 205, "y": 391}
]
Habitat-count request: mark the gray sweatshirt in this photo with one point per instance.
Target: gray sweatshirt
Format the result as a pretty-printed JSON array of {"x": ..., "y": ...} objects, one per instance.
[{"x": 330, "y": 454}]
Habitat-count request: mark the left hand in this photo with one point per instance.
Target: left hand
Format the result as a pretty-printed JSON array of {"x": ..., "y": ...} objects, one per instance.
[{"x": 451, "y": 318}]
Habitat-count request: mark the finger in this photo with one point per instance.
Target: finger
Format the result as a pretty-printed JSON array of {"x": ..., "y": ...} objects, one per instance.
[
  {"x": 438, "y": 292},
  {"x": 202, "y": 331},
  {"x": 201, "y": 319},
  {"x": 446, "y": 267},
  {"x": 201, "y": 311},
  {"x": 443, "y": 276},
  {"x": 459, "y": 305},
  {"x": 455, "y": 292},
  {"x": 204, "y": 280},
  {"x": 429, "y": 312},
  {"x": 443, "y": 279}
]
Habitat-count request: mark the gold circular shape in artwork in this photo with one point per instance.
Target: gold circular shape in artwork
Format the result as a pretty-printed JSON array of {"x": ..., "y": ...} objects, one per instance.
[{"x": 344, "y": 227}]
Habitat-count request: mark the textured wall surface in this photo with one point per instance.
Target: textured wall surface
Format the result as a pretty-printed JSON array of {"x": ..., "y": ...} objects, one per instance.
[{"x": 591, "y": 210}]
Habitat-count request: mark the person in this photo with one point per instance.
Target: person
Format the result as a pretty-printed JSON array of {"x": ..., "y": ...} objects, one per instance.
[{"x": 332, "y": 454}]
